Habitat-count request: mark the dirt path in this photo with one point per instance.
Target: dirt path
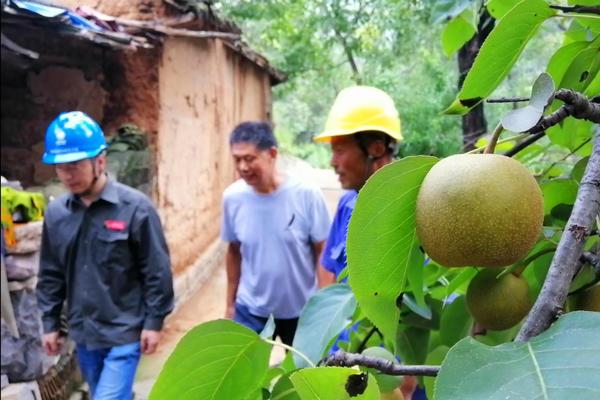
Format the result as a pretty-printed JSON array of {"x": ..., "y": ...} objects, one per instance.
[{"x": 208, "y": 302}]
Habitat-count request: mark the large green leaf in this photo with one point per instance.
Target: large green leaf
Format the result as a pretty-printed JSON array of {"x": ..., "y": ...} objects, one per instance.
[
  {"x": 499, "y": 8},
  {"x": 457, "y": 32},
  {"x": 333, "y": 383},
  {"x": 561, "y": 363},
  {"x": 562, "y": 58},
  {"x": 325, "y": 315},
  {"x": 583, "y": 68},
  {"x": 499, "y": 53},
  {"x": 215, "y": 360},
  {"x": 382, "y": 237}
]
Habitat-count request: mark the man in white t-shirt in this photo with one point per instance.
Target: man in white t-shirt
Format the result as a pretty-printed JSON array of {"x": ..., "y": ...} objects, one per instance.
[{"x": 275, "y": 227}]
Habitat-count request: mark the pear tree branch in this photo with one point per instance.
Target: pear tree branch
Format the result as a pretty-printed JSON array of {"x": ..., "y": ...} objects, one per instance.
[
  {"x": 578, "y": 9},
  {"x": 576, "y": 105},
  {"x": 342, "y": 359},
  {"x": 565, "y": 262}
]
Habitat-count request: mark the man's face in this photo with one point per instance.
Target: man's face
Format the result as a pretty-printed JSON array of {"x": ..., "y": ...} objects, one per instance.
[
  {"x": 255, "y": 166},
  {"x": 349, "y": 162},
  {"x": 78, "y": 176}
]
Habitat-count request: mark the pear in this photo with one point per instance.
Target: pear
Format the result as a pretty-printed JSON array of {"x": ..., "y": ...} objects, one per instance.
[
  {"x": 483, "y": 210},
  {"x": 498, "y": 303}
]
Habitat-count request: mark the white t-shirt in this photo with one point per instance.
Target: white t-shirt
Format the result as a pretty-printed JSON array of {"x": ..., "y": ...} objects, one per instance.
[{"x": 276, "y": 232}]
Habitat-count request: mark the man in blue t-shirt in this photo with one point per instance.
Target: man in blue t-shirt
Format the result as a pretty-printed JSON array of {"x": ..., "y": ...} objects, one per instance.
[{"x": 275, "y": 227}]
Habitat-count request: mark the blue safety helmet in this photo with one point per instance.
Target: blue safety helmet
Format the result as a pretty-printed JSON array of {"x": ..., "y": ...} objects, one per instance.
[{"x": 71, "y": 137}]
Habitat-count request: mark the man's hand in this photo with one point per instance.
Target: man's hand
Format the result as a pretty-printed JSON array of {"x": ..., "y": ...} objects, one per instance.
[
  {"x": 230, "y": 311},
  {"x": 149, "y": 341},
  {"x": 52, "y": 343}
]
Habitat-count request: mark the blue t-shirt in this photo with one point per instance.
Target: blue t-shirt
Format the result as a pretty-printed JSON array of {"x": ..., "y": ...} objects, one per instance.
[
  {"x": 276, "y": 233},
  {"x": 334, "y": 254}
]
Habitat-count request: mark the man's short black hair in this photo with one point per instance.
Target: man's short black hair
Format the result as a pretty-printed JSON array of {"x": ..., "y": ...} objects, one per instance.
[{"x": 259, "y": 134}]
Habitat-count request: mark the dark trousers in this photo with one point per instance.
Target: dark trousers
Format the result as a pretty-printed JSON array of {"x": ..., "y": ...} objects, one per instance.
[{"x": 284, "y": 328}]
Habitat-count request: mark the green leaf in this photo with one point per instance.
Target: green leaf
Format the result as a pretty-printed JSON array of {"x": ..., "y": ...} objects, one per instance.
[
  {"x": 499, "y": 52},
  {"x": 329, "y": 383},
  {"x": 525, "y": 118},
  {"x": 284, "y": 389},
  {"x": 562, "y": 362},
  {"x": 461, "y": 280},
  {"x": 445, "y": 10},
  {"x": 594, "y": 86},
  {"x": 542, "y": 91},
  {"x": 422, "y": 310},
  {"x": 558, "y": 191},
  {"x": 456, "y": 33},
  {"x": 562, "y": 58},
  {"x": 579, "y": 169},
  {"x": 412, "y": 344},
  {"x": 431, "y": 322},
  {"x": 415, "y": 276},
  {"x": 382, "y": 237},
  {"x": 583, "y": 68},
  {"x": 571, "y": 133},
  {"x": 456, "y": 322},
  {"x": 499, "y": 8},
  {"x": 522, "y": 119},
  {"x": 435, "y": 357},
  {"x": 288, "y": 363},
  {"x": 218, "y": 359},
  {"x": 325, "y": 315}
]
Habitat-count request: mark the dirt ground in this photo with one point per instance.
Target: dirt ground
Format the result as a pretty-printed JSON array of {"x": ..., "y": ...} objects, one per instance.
[{"x": 208, "y": 302}]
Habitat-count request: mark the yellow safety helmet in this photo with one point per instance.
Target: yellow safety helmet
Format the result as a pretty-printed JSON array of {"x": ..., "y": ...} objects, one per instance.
[{"x": 360, "y": 109}]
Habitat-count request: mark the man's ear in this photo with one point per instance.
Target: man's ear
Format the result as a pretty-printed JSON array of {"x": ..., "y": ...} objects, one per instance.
[
  {"x": 376, "y": 149},
  {"x": 273, "y": 152},
  {"x": 101, "y": 161}
]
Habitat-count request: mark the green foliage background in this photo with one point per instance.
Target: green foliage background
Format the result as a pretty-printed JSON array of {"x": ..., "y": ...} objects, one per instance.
[{"x": 396, "y": 46}]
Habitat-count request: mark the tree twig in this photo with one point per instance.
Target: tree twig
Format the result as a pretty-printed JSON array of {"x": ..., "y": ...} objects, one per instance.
[
  {"x": 525, "y": 143},
  {"x": 593, "y": 259},
  {"x": 566, "y": 259},
  {"x": 578, "y": 9},
  {"x": 576, "y": 105},
  {"x": 492, "y": 143},
  {"x": 508, "y": 100},
  {"x": 342, "y": 359},
  {"x": 581, "y": 106},
  {"x": 362, "y": 345}
]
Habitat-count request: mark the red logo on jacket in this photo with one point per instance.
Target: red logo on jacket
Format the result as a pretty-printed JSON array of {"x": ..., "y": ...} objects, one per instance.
[{"x": 114, "y": 225}]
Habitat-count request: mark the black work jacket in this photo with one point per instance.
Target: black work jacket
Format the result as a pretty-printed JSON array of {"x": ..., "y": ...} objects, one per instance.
[{"x": 110, "y": 262}]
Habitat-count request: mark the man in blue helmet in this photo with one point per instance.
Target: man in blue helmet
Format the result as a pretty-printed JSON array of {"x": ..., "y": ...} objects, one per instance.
[{"x": 104, "y": 254}]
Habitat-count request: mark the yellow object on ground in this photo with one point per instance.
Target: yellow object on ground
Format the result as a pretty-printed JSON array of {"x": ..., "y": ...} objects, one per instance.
[{"x": 32, "y": 204}]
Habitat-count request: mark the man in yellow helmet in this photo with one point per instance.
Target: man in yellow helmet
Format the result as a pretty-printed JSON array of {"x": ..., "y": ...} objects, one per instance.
[{"x": 363, "y": 128}]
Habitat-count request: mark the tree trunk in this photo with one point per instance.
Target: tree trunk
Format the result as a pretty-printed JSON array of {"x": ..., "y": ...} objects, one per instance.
[{"x": 474, "y": 124}]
